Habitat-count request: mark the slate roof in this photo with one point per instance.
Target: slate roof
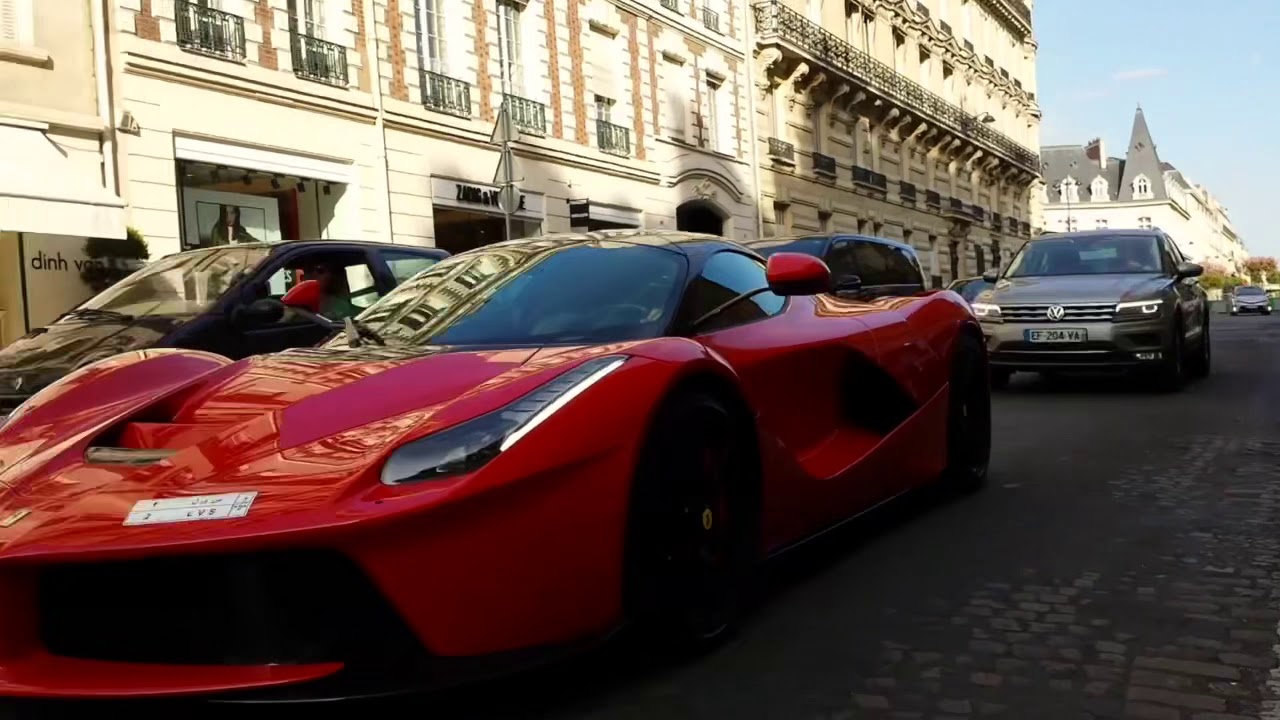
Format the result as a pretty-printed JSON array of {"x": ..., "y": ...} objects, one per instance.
[
  {"x": 1142, "y": 159},
  {"x": 1061, "y": 161}
]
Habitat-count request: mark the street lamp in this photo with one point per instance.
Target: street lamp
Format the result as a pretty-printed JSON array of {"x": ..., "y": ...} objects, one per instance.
[{"x": 967, "y": 124}]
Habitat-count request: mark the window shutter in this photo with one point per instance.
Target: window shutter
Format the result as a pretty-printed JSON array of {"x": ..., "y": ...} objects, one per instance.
[
  {"x": 9, "y": 20},
  {"x": 604, "y": 66}
]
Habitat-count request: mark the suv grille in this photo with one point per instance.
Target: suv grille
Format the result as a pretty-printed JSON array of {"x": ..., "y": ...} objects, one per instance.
[{"x": 1078, "y": 312}]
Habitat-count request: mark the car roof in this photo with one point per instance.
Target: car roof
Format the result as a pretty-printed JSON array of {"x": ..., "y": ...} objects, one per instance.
[
  {"x": 1116, "y": 232},
  {"x": 829, "y": 237}
]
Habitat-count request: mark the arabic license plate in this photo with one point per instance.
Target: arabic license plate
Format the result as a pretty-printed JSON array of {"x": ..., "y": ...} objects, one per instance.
[{"x": 1057, "y": 335}]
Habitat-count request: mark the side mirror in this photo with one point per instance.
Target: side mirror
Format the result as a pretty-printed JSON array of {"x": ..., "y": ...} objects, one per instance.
[
  {"x": 797, "y": 274},
  {"x": 262, "y": 311},
  {"x": 304, "y": 295},
  {"x": 991, "y": 276},
  {"x": 1189, "y": 270}
]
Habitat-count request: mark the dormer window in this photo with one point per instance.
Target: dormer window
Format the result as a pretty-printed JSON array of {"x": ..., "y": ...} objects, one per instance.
[
  {"x": 1069, "y": 190},
  {"x": 1098, "y": 190},
  {"x": 1141, "y": 188}
]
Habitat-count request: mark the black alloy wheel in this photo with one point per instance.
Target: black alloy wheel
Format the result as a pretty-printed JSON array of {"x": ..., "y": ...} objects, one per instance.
[
  {"x": 968, "y": 418},
  {"x": 691, "y": 533},
  {"x": 1172, "y": 373}
]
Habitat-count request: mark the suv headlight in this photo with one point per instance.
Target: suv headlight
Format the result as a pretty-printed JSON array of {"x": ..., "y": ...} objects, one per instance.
[
  {"x": 1138, "y": 309},
  {"x": 467, "y": 447},
  {"x": 986, "y": 311}
]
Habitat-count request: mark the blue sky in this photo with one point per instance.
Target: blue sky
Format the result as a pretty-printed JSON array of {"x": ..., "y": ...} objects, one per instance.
[{"x": 1204, "y": 73}]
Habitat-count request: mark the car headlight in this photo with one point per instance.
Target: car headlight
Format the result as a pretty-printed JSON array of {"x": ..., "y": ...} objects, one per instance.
[
  {"x": 986, "y": 311},
  {"x": 1138, "y": 309},
  {"x": 467, "y": 447}
]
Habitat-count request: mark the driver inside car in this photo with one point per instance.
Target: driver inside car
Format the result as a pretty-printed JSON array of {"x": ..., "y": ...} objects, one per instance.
[{"x": 335, "y": 301}]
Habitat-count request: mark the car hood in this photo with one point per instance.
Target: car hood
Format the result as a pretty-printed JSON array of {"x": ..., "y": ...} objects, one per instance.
[
  {"x": 305, "y": 430},
  {"x": 1074, "y": 289},
  {"x": 45, "y": 354}
]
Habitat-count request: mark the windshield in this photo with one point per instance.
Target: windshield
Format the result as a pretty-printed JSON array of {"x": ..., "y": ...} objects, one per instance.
[
  {"x": 1250, "y": 290},
  {"x": 182, "y": 284},
  {"x": 809, "y": 246},
  {"x": 537, "y": 292},
  {"x": 1087, "y": 255}
]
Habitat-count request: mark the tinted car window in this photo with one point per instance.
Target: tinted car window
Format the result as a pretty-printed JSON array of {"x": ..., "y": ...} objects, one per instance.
[
  {"x": 405, "y": 265},
  {"x": 882, "y": 264},
  {"x": 725, "y": 276},
  {"x": 183, "y": 284},
  {"x": 814, "y": 246},
  {"x": 346, "y": 281},
  {"x": 1088, "y": 255},
  {"x": 534, "y": 293},
  {"x": 1250, "y": 290}
]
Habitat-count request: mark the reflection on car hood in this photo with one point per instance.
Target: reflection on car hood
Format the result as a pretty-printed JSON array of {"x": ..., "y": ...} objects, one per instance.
[
  {"x": 46, "y": 354},
  {"x": 1075, "y": 289}
]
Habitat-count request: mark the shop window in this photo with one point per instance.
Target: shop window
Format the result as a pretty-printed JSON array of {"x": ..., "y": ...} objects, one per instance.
[{"x": 226, "y": 205}]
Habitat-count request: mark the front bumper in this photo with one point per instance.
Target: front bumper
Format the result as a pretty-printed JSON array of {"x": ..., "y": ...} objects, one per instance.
[
  {"x": 1251, "y": 308},
  {"x": 1128, "y": 344}
]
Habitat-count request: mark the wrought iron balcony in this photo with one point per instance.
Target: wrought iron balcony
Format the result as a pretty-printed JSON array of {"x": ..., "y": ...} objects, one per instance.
[
  {"x": 782, "y": 150},
  {"x": 319, "y": 60},
  {"x": 613, "y": 139},
  {"x": 979, "y": 213},
  {"x": 211, "y": 32},
  {"x": 870, "y": 178},
  {"x": 933, "y": 198},
  {"x": 778, "y": 24},
  {"x": 824, "y": 164},
  {"x": 711, "y": 19},
  {"x": 907, "y": 192},
  {"x": 527, "y": 115},
  {"x": 445, "y": 94},
  {"x": 956, "y": 205},
  {"x": 672, "y": 5}
]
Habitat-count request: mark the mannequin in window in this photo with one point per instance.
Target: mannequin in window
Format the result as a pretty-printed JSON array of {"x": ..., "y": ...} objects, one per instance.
[{"x": 228, "y": 230}]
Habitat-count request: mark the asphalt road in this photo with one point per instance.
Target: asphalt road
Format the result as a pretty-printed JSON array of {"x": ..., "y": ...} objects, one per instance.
[{"x": 1124, "y": 561}]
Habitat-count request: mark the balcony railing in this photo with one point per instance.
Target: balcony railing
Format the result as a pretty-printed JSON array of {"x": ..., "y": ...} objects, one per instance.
[
  {"x": 319, "y": 60},
  {"x": 870, "y": 178},
  {"x": 997, "y": 220},
  {"x": 933, "y": 198},
  {"x": 956, "y": 205},
  {"x": 979, "y": 213},
  {"x": 445, "y": 94},
  {"x": 527, "y": 115},
  {"x": 777, "y": 23},
  {"x": 907, "y": 192},
  {"x": 1012, "y": 222},
  {"x": 613, "y": 139},
  {"x": 782, "y": 150},
  {"x": 824, "y": 164},
  {"x": 711, "y": 19},
  {"x": 672, "y": 5},
  {"x": 211, "y": 32}
]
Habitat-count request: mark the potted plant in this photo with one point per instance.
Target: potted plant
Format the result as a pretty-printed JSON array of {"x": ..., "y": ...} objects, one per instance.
[{"x": 111, "y": 260}]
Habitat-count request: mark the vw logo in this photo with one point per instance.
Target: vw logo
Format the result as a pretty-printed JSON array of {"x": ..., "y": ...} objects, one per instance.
[{"x": 1055, "y": 312}]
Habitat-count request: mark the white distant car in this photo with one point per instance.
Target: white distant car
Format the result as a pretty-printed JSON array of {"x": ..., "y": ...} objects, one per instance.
[{"x": 1250, "y": 299}]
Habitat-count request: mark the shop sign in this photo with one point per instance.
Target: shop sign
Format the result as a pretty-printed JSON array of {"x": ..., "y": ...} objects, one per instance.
[
  {"x": 484, "y": 198},
  {"x": 487, "y": 197}
]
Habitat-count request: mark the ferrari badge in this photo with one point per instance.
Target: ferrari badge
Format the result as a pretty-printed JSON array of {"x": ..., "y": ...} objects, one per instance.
[{"x": 14, "y": 519}]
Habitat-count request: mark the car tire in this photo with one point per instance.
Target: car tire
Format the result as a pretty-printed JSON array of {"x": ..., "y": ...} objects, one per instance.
[
  {"x": 1171, "y": 376},
  {"x": 968, "y": 418},
  {"x": 691, "y": 531},
  {"x": 1202, "y": 364}
]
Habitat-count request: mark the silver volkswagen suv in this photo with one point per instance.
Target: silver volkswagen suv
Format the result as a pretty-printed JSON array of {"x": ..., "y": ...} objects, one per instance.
[{"x": 1103, "y": 299}]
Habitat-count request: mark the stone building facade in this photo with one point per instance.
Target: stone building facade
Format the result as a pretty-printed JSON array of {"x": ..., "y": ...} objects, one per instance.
[
  {"x": 1087, "y": 190},
  {"x": 911, "y": 120}
]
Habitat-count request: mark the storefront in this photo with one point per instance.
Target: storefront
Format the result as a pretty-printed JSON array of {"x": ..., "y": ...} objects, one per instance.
[
  {"x": 235, "y": 194},
  {"x": 52, "y": 199},
  {"x": 588, "y": 216},
  {"x": 467, "y": 214}
]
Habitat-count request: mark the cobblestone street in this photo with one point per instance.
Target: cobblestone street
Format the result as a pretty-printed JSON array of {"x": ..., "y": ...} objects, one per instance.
[{"x": 1124, "y": 562}]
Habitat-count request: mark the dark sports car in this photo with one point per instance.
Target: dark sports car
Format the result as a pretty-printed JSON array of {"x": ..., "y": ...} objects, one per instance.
[{"x": 520, "y": 449}]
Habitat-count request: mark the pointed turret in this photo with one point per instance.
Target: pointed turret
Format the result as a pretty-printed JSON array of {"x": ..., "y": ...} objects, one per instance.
[{"x": 1142, "y": 161}]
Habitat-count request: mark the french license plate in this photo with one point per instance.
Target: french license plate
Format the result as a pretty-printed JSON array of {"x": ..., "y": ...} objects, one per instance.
[{"x": 1057, "y": 335}]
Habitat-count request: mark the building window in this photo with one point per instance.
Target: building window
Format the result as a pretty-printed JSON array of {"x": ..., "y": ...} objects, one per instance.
[
  {"x": 433, "y": 35},
  {"x": 925, "y": 66},
  {"x": 1069, "y": 190},
  {"x": 509, "y": 45},
  {"x": 17, "y": 22},
  {"x": 1141, "y": 188},
  {"x": 824, "y": 221},
  {"x": 711, "y": 128},
  {"x": 1102, "y": 224},
  {"x": 860, "y": 27},
  {"x": 1098, "y": 190},
  {"x": 313, "y": 18}
]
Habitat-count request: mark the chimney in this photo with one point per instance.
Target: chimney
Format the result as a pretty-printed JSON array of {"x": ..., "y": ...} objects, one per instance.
[{"x": 1095, "y": 151}]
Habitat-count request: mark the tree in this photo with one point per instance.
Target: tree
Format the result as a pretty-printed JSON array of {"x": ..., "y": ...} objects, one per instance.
[
  {"x": 111, "y": 260},
  {"x": 1214, "y": 276},
  {"x": 1261, "y": 268}
]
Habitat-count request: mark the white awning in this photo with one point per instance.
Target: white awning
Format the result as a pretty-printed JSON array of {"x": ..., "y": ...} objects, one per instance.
[{"x": 42, "y": 191}]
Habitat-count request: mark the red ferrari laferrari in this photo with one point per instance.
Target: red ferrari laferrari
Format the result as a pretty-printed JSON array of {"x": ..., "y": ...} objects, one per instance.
[{"x": 521, "y": 449}]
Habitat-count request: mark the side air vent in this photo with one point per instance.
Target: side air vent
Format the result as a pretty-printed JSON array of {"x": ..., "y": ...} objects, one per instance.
[{"x": 126, "y": 456}]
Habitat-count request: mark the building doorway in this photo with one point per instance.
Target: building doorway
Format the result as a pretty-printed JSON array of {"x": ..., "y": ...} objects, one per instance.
[{"x": 699, "y": 216}]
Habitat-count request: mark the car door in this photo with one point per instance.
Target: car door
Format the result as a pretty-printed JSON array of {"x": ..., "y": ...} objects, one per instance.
[
  {"x": 1191, "y": 297},
  {"x": 403, "y": 264},
  {"x": 357, "y": 287},
  {"x": 791, "y": 363}
]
